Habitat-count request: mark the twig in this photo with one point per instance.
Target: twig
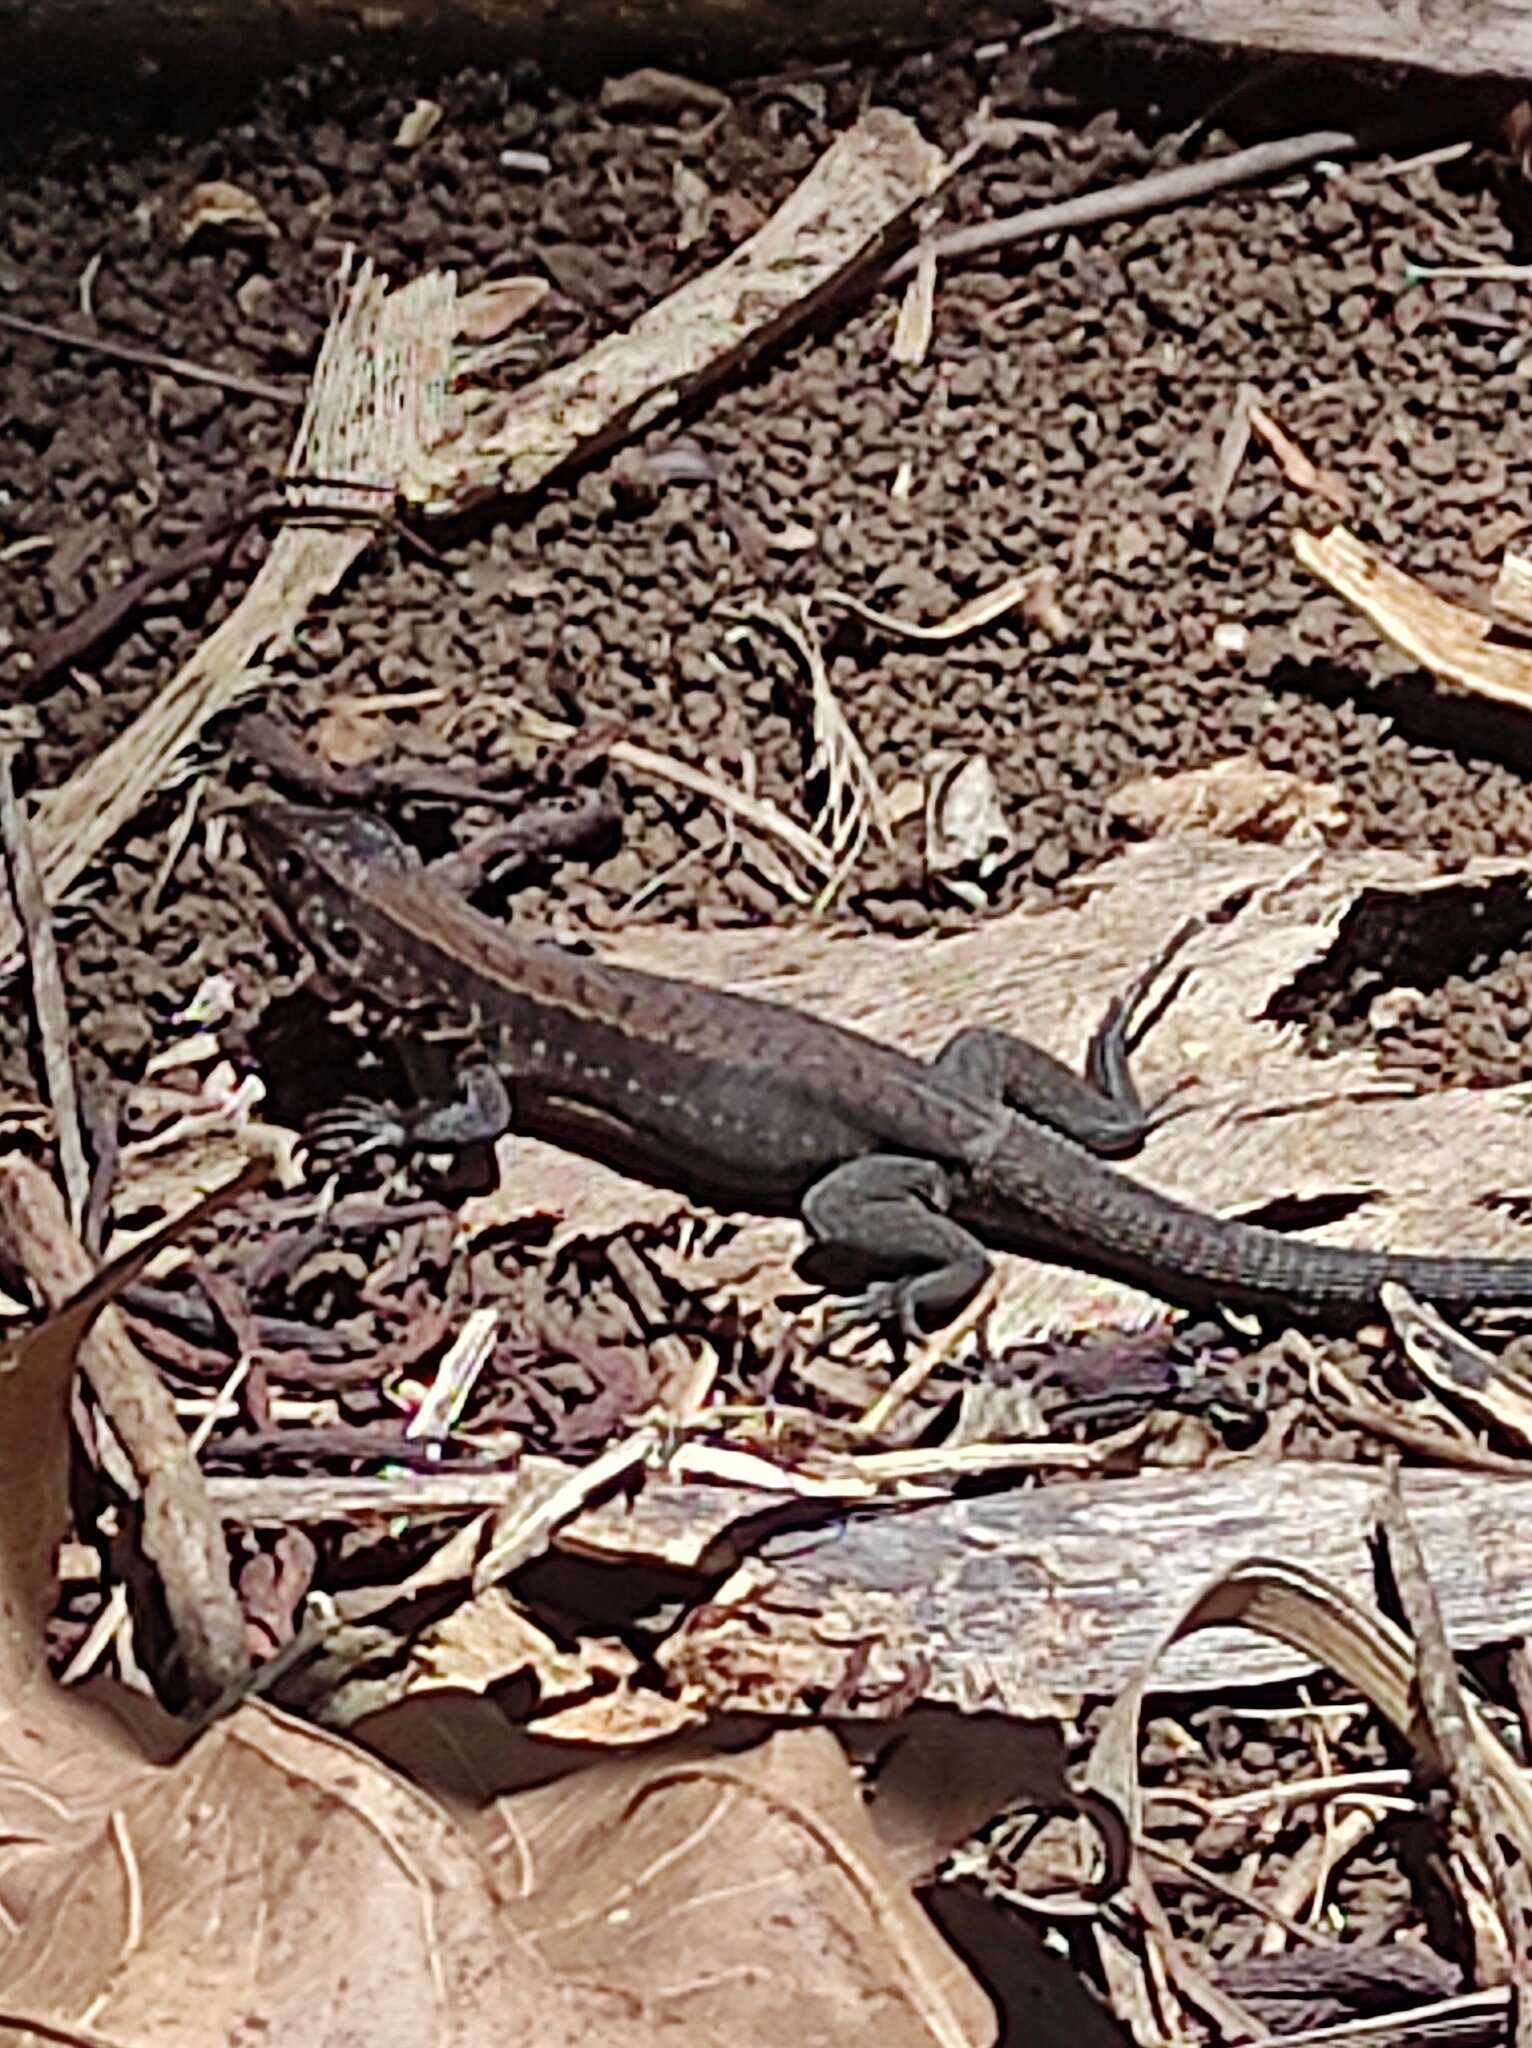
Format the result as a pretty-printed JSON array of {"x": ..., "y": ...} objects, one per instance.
[
  {"x": 57, "y": 646},
  {"x": 182, "y": 1535},
  {"x": 522, "y": 1537},
  {"x": 1140, "y": 195},
  {"x": 933, "y": 1354},
  {"x": 151, "y": 359},
  {"x": 1440, "y": 1693},
  {"x": 48, "y": 1002},
  {"x": 765, "y": 817}
]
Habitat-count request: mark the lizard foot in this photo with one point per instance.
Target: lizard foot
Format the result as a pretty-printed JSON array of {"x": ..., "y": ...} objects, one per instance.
[
  {"x": 887, "y": 1301},
  {"x": 353, "y": 1130}
]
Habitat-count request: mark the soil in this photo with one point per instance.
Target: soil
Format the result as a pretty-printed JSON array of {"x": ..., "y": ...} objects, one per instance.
[{"x": 1070, "y": 411}]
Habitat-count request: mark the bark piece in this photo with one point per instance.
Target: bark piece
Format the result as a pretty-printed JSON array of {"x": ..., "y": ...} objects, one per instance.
[
  {"x": 1023, "y": 1602},
  {"x": 840, "y": 221},
  {"x": 1469, "y": 39}
]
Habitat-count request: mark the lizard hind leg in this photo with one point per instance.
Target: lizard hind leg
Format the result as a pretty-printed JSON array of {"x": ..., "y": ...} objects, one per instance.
[
  {"x": 889, "y": 1210},
  {"x": 1100, "y": 1108}
]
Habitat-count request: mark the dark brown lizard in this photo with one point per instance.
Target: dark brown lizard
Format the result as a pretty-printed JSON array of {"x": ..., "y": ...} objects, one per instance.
[{"x": 913, "y": 1167}]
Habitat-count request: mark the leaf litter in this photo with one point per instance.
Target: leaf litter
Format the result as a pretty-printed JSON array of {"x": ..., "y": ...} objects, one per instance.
[{"x": 784, "y": 1819}]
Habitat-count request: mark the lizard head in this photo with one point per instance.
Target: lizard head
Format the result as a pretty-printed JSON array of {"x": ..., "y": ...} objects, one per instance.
[{"x": 319, "y": 867}]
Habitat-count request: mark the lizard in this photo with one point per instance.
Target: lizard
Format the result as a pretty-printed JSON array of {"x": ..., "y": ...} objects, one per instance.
[{"x": 917, "y": 1168}]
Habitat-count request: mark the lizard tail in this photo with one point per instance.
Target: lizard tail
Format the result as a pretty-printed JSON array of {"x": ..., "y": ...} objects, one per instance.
[{"x": 1096, "y": 1216}]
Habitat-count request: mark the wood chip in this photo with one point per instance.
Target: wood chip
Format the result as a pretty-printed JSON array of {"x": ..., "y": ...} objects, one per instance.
[{"x": 1452, "y": 641}]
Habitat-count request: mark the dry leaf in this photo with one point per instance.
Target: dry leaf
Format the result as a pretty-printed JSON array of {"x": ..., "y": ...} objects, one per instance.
[
  {"x": 694, "y": 202},
  {"x": 1234, "y": 799},
  {"x": 727, "y": 1891},
  {"x": 940, "y": 1775},
  {"x": 491, "y": 1638},
  {"x": 1493, "y": 1389},
  {"x": 1300, "y": 469},
  {"x": 917, "y": 309},
  {"x": 422, "y": 119},
  {"x": 1033, "y": 586},
  {"x": 349, "y": 737},
  {"x": 966, "y": 825},
  {"x": 1452, "y": 641},
  {"x": 493, "y": 309},
  {"x": 651, "y": 94},
  {"x": 277, "y": 1884},
  {"x": 222, "y": 205}
]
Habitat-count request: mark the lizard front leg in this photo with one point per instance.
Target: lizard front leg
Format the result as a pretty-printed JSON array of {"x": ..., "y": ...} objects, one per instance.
[
  {"x": 475, "y": 1114},
  {"x": 889, "y": 1209}
]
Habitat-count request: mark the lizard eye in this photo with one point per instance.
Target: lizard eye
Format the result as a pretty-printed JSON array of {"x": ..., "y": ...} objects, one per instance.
[
  {"x": 346, "y": 940},
  {"x": 291, "y": 866}
]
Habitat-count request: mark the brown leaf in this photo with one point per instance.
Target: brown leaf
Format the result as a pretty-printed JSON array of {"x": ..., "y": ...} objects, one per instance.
[
  {"x": 221, "y": 205},
  {"x": 348, "y": 738},
  {"x": 494, "y": 308},
  {"x": 651, "y": 94},
  {"x": 1235, "y": 799},
  {"x": 804, "y": 1913},
  {"x": 277, "y": 1884},
  {"x": 1300, "y": 468}
]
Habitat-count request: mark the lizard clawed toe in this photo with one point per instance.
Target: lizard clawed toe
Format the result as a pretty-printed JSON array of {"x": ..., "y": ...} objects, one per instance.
[
  {"x": 351, "y": 1131},
  {"x": 886, "y": 1301}
]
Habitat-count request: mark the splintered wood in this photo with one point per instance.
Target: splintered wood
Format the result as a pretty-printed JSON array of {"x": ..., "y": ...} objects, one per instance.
[{"x": 1454, "y": 641}]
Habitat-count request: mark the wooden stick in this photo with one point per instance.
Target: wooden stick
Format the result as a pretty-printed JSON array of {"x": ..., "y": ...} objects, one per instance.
[
  {"x": 151, "y": 359},
  {"x": 1141, "y": 195}
]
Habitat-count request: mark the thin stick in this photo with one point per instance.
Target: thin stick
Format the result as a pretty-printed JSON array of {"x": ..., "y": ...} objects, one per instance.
[
  {"x": 1440, "y": 1694},
  {"x": 47, "y": 991},
  {"x": 1141, "y": 195},
  {"x": 151, "y": 359}
]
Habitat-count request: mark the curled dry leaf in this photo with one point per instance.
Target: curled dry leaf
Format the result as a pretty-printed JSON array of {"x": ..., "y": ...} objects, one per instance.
[
  {"x": 1235, "y": 799},
  {"x": 226, "y": 207},
  {"x": 1033, "y": 593},
  {"x": 1447, "y": 638},
  {"x": 1492, "y": 1389},
  {"x": 1300, "y": 469},
  {"x": 966, "y": 825},
  {"x": 423, "y": 119},
  {"x": 1300, "y": 1608},
  {"x": 1304, "y": 1610},
  {"x": 348, "y": 737},
  {"x": 650, "y": 94}
]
